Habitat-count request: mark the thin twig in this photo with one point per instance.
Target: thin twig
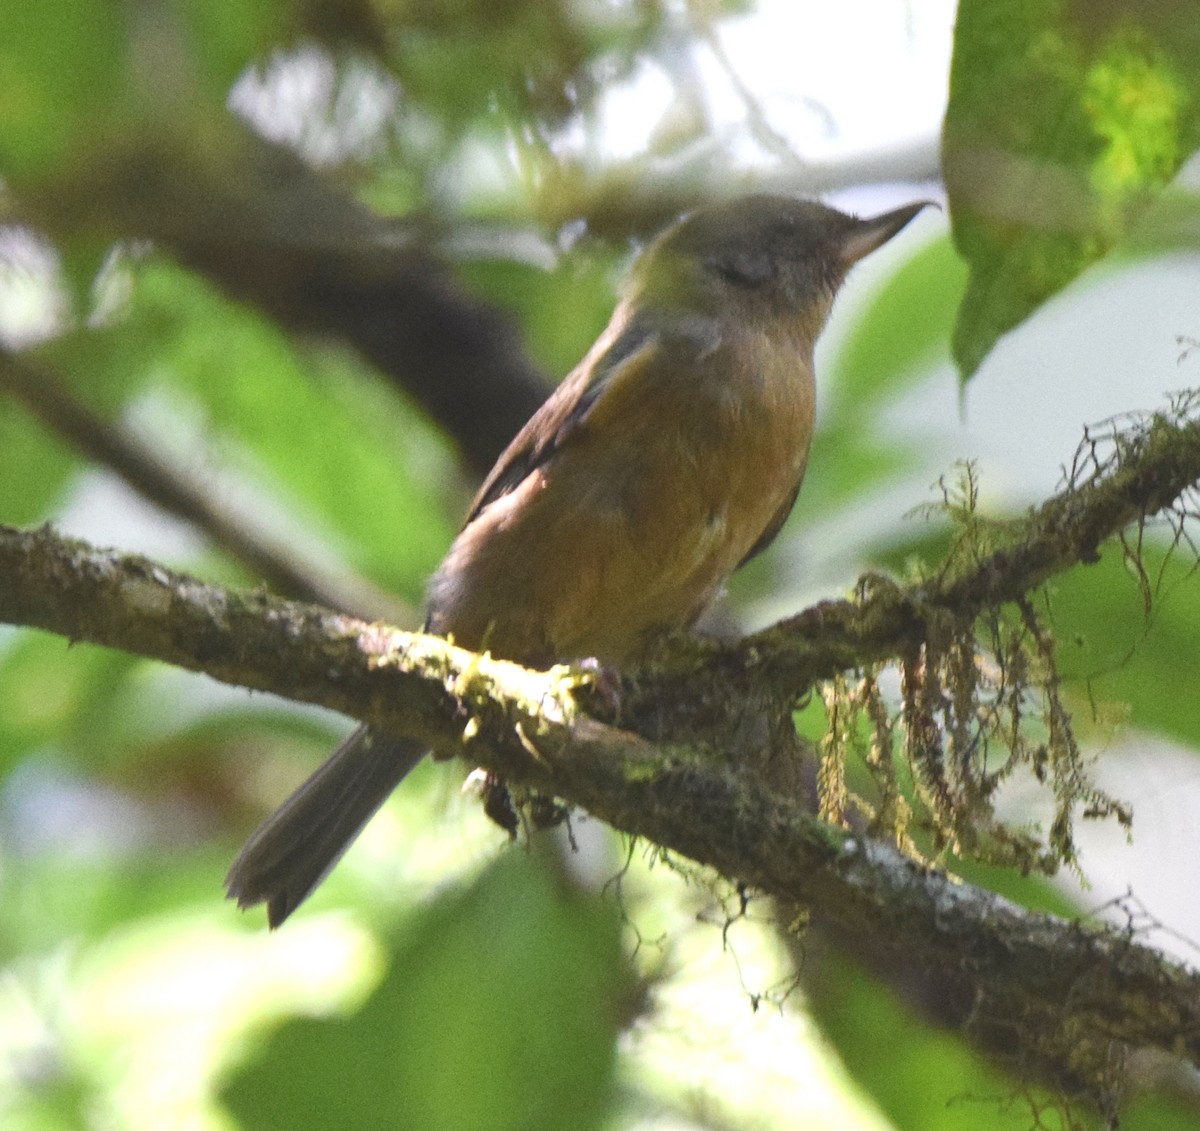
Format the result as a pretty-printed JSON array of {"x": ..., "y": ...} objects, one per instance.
[{"x": 152, "y": 477}]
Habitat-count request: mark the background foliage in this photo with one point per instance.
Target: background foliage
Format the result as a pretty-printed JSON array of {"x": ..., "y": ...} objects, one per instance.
[{"x": 440, "y": 979}]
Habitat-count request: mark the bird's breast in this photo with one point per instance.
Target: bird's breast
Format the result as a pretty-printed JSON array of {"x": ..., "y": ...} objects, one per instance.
[{"x": 632, "y": 530}]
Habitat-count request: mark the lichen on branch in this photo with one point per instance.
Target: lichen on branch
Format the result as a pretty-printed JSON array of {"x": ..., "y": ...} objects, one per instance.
[{"x": 651, "y": 753}]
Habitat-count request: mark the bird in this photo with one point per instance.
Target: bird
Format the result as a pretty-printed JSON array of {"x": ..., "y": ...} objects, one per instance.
[{"x": 668, "y": 457}]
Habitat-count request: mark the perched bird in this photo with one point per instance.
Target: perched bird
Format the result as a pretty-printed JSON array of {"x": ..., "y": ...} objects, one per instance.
[{"x": 670, "y": 455}]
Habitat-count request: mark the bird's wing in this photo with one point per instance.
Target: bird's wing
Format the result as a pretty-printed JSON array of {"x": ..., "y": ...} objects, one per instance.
[
  {"x": 596, "y": 378},
  {"x": 774, "y": 526},
  {"x": 597, "y": 391}
]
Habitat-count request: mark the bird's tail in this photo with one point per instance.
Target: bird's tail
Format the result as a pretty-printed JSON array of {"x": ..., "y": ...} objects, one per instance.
[{"x": 293, "y": 849}]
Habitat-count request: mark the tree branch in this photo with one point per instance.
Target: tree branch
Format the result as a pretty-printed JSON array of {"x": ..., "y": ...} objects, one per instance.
[
  {"x": 1066, "y": 999},
  {"x": 268, "y": 230},
  {"x": 1119, "y": 477}
]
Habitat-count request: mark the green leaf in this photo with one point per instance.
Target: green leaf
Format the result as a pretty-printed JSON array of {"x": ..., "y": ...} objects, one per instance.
[
  {"x": 223, "y": 39},
  {"x": 77, "y": 699},
  {"x": 82, "y": 72},
  {"x": 926, "y": 1078},
  {"x": 34, "y": 467},
  {"x": 1065, "y": 119},
  {"x": 560, "y": 312},
  {"x": 902, "y": 332},
  {"x": 1178, "y": 1112},
  {"x": 500, "y": 1010},
  {"x": 922, "y": 1077},
  {"x": 341, "y": 452},
  {"x": 62, "y": 67},
  {"x": 1118, "y": 651}
]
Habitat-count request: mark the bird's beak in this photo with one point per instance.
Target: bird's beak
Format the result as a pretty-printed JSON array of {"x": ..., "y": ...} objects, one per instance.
[{"x": 869, "y": 234}]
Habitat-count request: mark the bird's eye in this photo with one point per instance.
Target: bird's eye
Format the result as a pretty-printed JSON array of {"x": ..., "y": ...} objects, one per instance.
[{"x": 746, "y": 269}]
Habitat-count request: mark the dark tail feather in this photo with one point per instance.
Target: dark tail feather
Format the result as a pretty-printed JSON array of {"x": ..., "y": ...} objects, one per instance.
[{"x": 295, "y": 848}]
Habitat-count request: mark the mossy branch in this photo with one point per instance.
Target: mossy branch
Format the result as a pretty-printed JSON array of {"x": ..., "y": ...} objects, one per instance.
[
  {"x": 528, "y": 727},
  {"x": 1119, "y": 477},
  {"x": 659, "y": 774}
]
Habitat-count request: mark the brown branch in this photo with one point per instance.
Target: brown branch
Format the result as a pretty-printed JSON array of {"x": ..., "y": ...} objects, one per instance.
[
  {"x": 638, "y": 196},
  {"x": 1043, "y": 978},
  {"x": 1069, "y": 999},
  {"x": 267, "y": 230}
]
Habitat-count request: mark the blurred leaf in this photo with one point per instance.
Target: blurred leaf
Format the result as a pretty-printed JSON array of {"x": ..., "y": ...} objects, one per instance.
[
  {"x": 1162, "y": 1113},
  {"x": 928, "y": 1079},
  {"x": 853, "y": 458},
  {"x": 902, "y": 332},
  {"x": 89, "y": 69},
  {"x": 75, "y": 697},
  {"x": 561, "y": 311},
  {"x": 311, "y": 428},
  {"x": 85, "y": 889},
  {"x": 62, "y": 65},
  {"x": 1065, "y": 119},
  {"x": 923, "y": 1078},
  {"x": 924, "y": 549},
  {"x": 57, "y": 1102},
  {"x": 222, "y": 39},
  {"x": 34, "y": 467},
  {"x": 533, "y": 61},
  {"x": 1112, "y": 654},
  {"x": 500, "y": 1010},
  {"x": 1038, "y": 893}
]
